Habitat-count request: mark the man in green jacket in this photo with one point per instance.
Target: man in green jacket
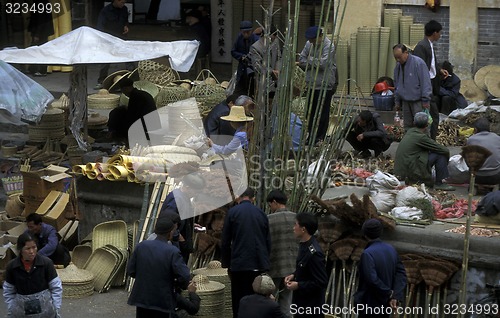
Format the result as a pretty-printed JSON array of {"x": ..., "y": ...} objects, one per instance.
[{"x": 417, "y": 153}]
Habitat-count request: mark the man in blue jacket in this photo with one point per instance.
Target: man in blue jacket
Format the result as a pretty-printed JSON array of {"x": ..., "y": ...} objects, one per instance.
[
  {"x": 246, "y": 246},
  {"x": 158, "y": 268},
  {"x": 382, "y": 276},
  {"x": 413, "y": 84},
  {"x": 240, "y": 51}
]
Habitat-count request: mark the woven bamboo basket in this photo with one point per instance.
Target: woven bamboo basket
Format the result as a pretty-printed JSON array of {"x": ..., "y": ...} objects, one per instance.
[
  {"x": 212, "y": 296},
  {"x": 102, "y": 264},
  {"x": 77, "y": 283},
  {"x": 13, "y": 185},
  {"x": 171, "y": 94},
  {"x": 14, "y": 205},
  {"x": 112, "y": 232},
  {"x": 9, "y": 150},
  {"x": 103, "y": 100},
  {"x": 343, "y": 248},
  {"x": 51, "y": 126},
  {"x": 299, "y": 107},
  {"x": 208, "y": 95},
  {"x": 81, "y": 254},
  {"x": 157, "y": 73},
  {"x": 215, "y": 272}
]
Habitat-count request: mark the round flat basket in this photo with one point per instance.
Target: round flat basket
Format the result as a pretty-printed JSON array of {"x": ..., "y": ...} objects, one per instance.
[
  {"x": 103, "y": 100},
  {"x": 170, "y": 94},
  {"x": 9, "y": 150}
]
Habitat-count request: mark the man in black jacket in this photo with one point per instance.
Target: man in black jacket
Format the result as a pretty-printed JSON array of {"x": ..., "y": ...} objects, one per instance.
[
  {"x": 141, "y": 106},
  {"x": 214, "y": 126},
  {"x": 246, "y": 246},
  {"x": 426, "y": 51},
  {"x": 368, "y": 133}
]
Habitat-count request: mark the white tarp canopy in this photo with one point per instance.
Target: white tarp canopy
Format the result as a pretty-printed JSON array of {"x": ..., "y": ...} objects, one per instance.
[
  {"x": 86, "y": 45},
  {"x": 20, "y": 95}
]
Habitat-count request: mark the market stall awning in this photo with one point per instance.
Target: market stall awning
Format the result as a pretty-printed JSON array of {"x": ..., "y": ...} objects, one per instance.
[{"x": 86, "y": 45}]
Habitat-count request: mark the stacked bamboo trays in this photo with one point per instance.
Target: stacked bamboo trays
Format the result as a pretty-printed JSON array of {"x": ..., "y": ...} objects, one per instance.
[
  {"x": 108, "y": 260},
  {"x": 417, "y": 33},
  {"x": 76, "y": 282},
  {"x": 354, "y": 64},
  {"x": 103, "y": 100},
  {"x": 385, "y": 33},
  {"x": 391, "y": 20},
  {"x": 215, "y": 272},
  {"x": 405, "y": 22},
  {"x": 141, "y": 85},
  {"x": 363, "y": 59},
  {"x": 51, "y": 126},
  {"x": 375, "y": 49},
  {"x": 342, "y": 62},
  {"x": 148, "y": 166},
  {"x": 212, "y": 296}
]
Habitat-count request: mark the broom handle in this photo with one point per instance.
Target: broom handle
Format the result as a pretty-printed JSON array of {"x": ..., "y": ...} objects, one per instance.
[{"x": 465, "y": 262}]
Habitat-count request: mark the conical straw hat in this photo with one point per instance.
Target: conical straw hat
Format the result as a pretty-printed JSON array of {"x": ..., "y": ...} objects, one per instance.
[
  {"x": 109, "y": 80},
  {"x": 237, "y": 113},
  {"x": 471, "y": 91},
  {"x": 204, "y": 285},
  {"x": 481, "y": 74},
  {"x": 492, "y": 81}
]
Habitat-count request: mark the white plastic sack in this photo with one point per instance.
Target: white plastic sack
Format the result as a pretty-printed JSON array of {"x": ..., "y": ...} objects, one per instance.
[
  {"x": 458, "y": 169},
  {"x": 383, "y": 200},
  {"x": 382, "y": 181},
  {"x": 407, "y": 213},
  {"x": 406, "y": 194}
]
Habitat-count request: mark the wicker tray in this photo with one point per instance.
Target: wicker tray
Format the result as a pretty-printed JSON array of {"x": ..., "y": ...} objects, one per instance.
[
  {"x": 102, "y": 264},
  {"x": 112, "y": 233},
  {"x": 81, "y": 254}
]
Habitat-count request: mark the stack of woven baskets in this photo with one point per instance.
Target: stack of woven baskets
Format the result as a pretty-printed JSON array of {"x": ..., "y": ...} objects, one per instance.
[
  {"x": 215, "y": 272},
  {"x": 77, "y": 283},
  {"x": 103, "y": 100},
  {"x": 212, "y": 297},
  {"x": 51, "y": 126}
]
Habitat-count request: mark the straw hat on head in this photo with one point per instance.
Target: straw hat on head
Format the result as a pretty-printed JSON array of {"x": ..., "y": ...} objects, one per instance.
[
  {"x": 110, "y": 79},
  {"x": 471, "y": 91},
  {"x": 237, "y": 113},
  {"x": 492, "y": 81},
  {"x": 481, "y": 74},
  {"x": 117, "y": 80}
]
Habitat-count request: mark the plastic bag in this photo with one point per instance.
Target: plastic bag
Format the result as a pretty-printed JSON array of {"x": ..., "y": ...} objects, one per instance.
[
  {"x": 458, "y": 169},
  {"x": 426, "y": 110},
  {"x": 232, "y": 84},
  {"x": 384, "y": 200},
  {"x": 382, "y": 181},
  {"x": 407, "y": 213},
  {"x": 406, "y": 194}
]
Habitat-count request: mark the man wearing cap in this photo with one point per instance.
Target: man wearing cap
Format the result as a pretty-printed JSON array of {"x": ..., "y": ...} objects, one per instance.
[
  {"x": 269, "y": 54},
  {"x": 382, "y": 276},
  {"x": 318, "y": 58},
  {"x": 239, "y": 52},
  {"x": 425, "y": 50},
  {"x": 113, "y": 19},
  {"x": 245, "y": 246},
  {"x": 158, "y": 268},
  {"x": 417, "y": 153},
  {"x": 412, "y": 82},
  {"x": 261, "y": 304},
  {"x": 140, "y": 104},
  {"x": 368, "y": 133}
]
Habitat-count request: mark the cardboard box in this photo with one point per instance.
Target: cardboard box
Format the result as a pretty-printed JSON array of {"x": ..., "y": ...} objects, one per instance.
[
  {"x": 38, "y": 184},
  {"x": 8, "y": 250},
  {"x": 13, "y": 228},
  {"x": 52, "y": 209}
]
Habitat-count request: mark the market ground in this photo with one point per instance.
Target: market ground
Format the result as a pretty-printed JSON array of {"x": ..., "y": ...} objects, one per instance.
[{"x": 114, "y": 303}]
